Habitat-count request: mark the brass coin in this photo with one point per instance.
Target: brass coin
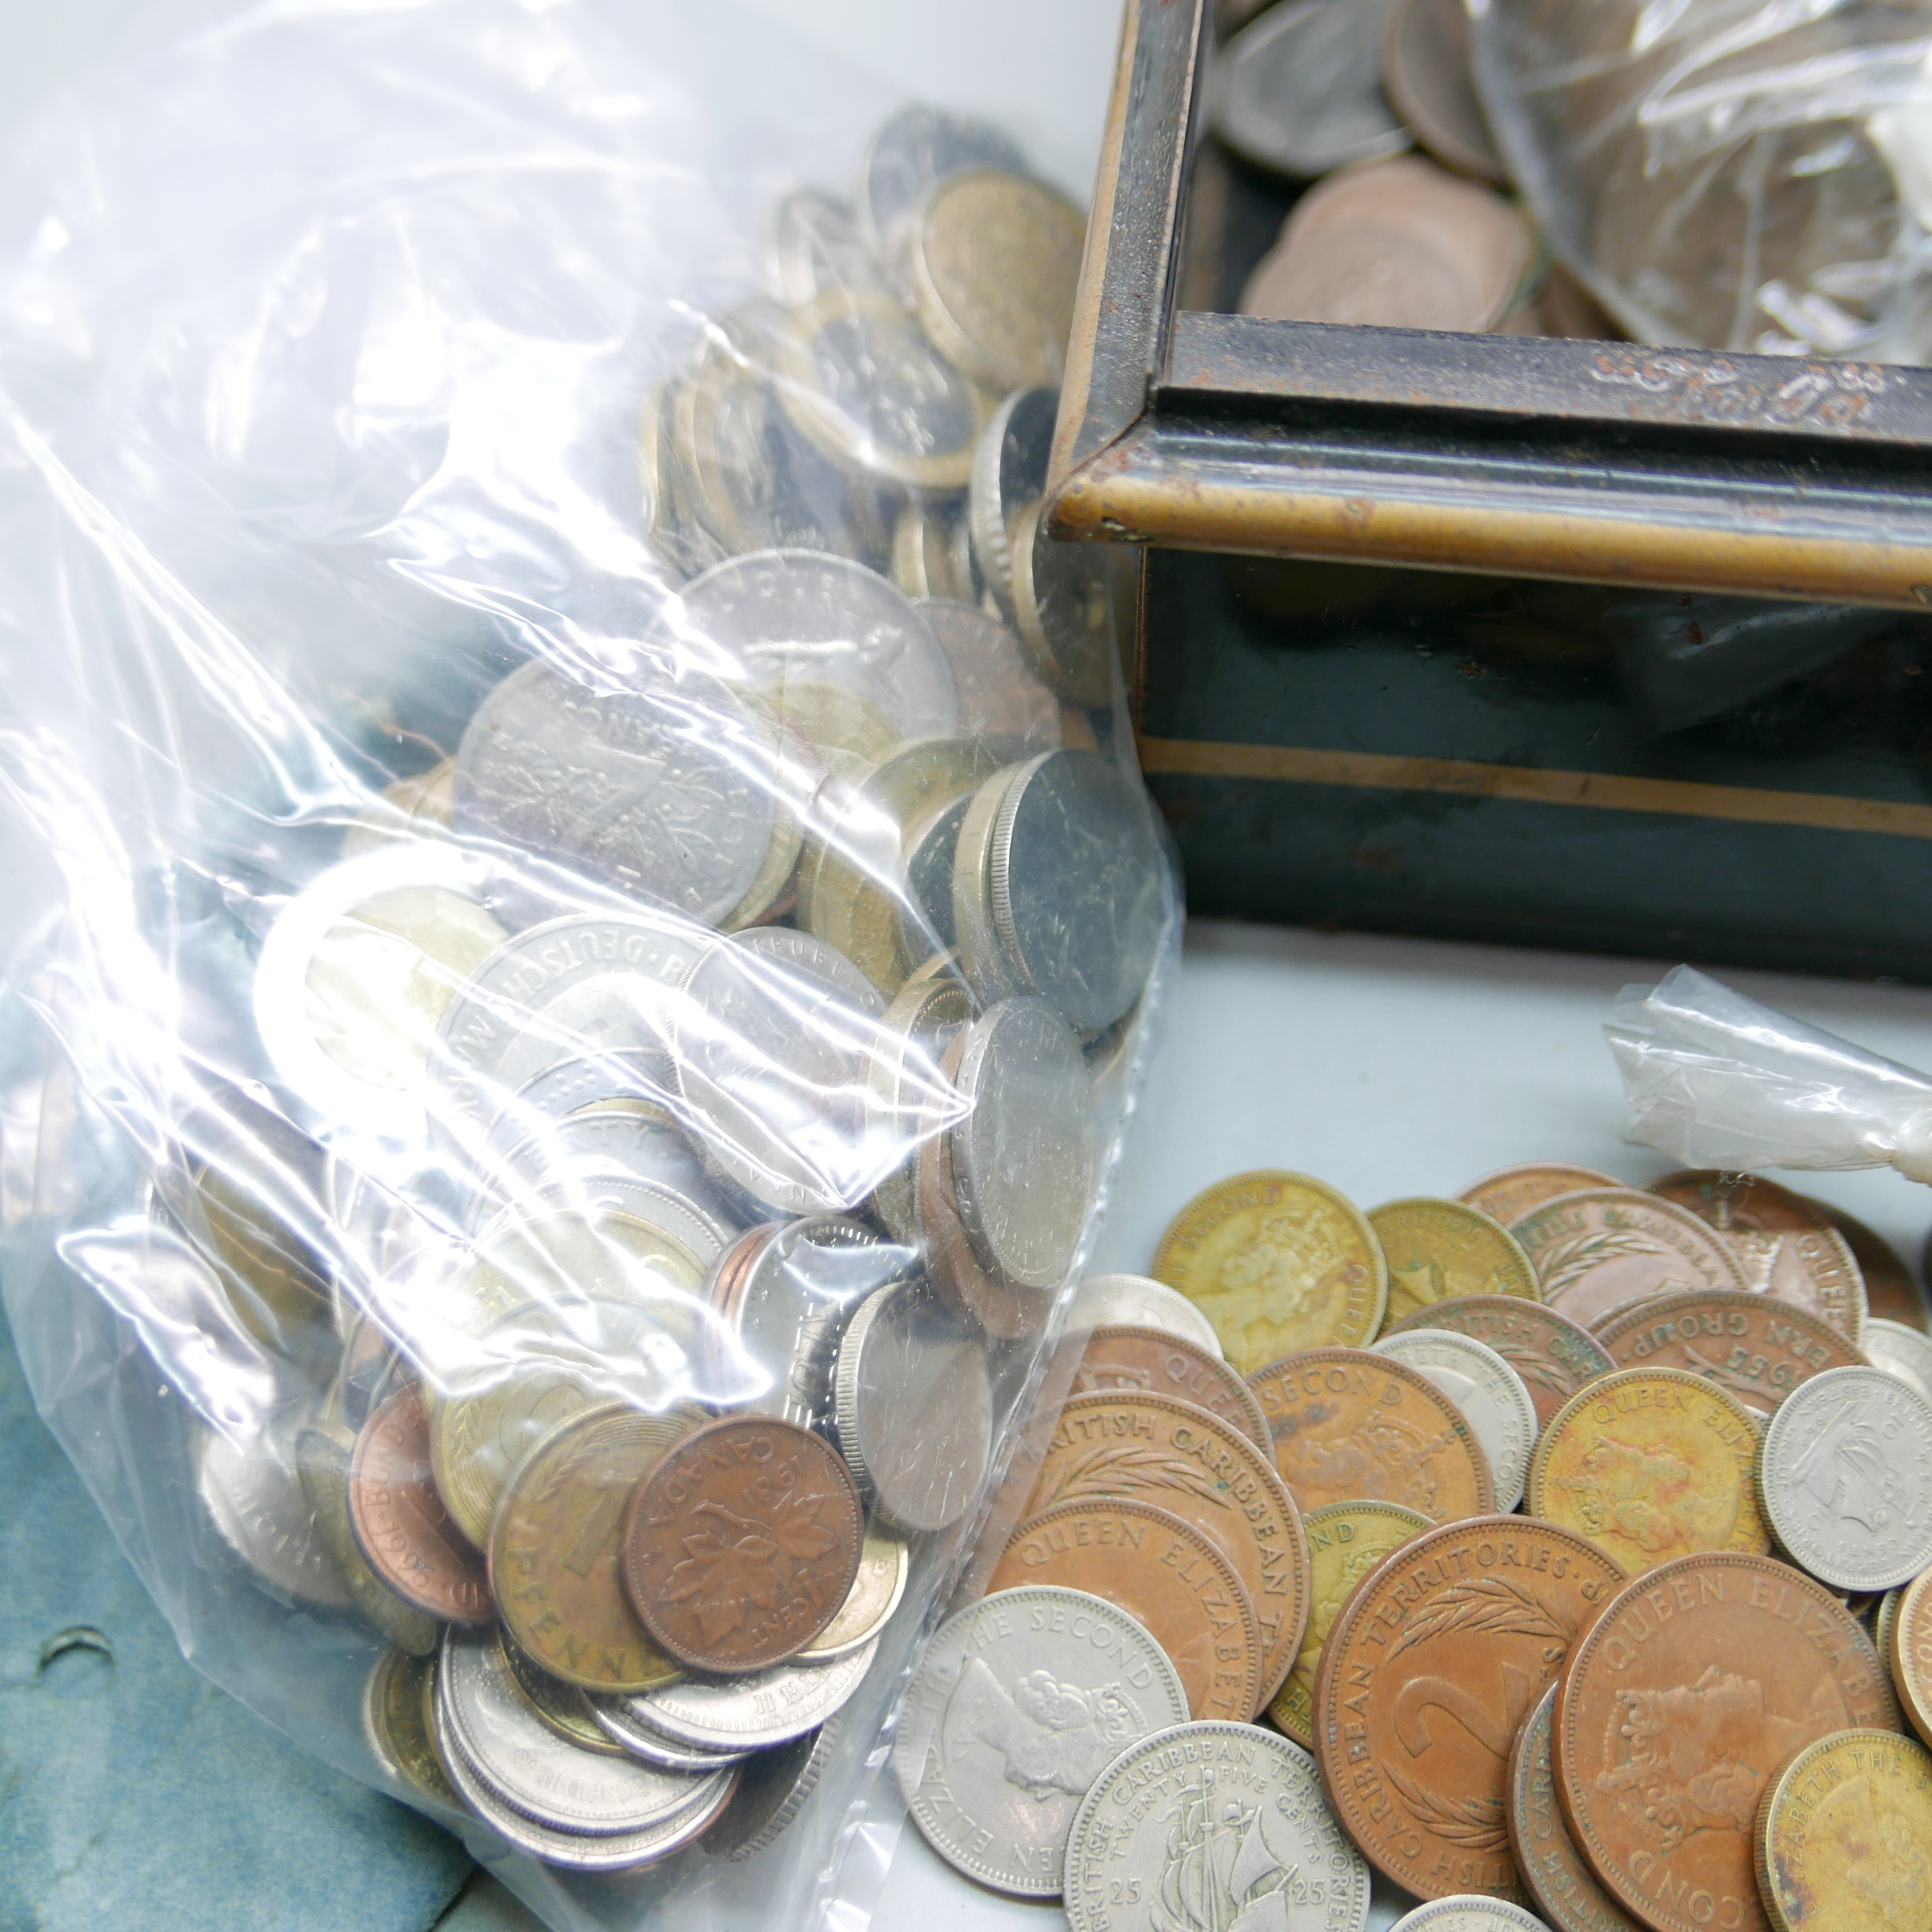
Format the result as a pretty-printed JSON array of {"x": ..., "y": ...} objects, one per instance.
[
  {"x": 559, "y": 1704},
  {"x": 1279, "y": 1262},
  {"x": 395, "y": 1701},
  {"x": 885, "y": 1562},
  {"x": 1909, "y": 1652},
  {"x": 1511, "y": 1192},
  {"x": 1438, "y": 1251}
]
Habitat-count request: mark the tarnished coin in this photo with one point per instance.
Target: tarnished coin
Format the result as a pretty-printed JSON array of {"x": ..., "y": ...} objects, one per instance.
[
  {"x": 1063, "y": 606},
  {"x": 1554, "y": 1356},
  {"x": 1019, "y": 1703},
  {"x": 1158, "y": 1363},
  {"x": 1440, "y": 1250},
  {"x": 253, "y": 1498},
  {"x": 1163, "y": 1572},
  {"x": 742, "y": 1544},
  {"x": 1845, "y": 1478},
  {"x": 1346, "y": 1541},
  {"x": 321, "y": 1451},
  {"x": 1223, "y": 1822},
  {"x": 918, "y": 147},
  {"x": 885, "y": 1562},
  {"x": 1899, "y": 1351},
  {"x": 1178, "y": 1458},
  {"x": 562, "y": 1707},
  {"x": 1431, "y": 1666},
  {"x": 755, "y": 1712},
  {"x": 922, "y": 1021},
  {"x": 1890, "y": 1289},
  {"x": 1009, "y": 474},
  {"x": 1486, "y": 1390},
  {"x": 1651, "y": 1464},
  {"x": 999, "y": 694},
  {"x": 1547, "y": 1861},
  {"x": 1279, "y": 1262},
  {"x": 1600, "y": 1249},
  {"x": 1469, "y": 1912},
  {"x": 1786, "y": 1245},
  {"x": 1755, "y": 1348},
  {"x": 1425, "y": 75},
  {"x": 1697, "y": 1682},
  {"x": 932, "y": 553},
  {"x": 813, "y": 244},
  {"x": 1140, "y": 1301},
  {"x": 1511, "y": 1192},
  {"x": 1908, "y": 1653},
  {"x": 772, "y": 1791},
  {"x": 392, "y": 1728},
  {"x": 1351, "y": 1425}
]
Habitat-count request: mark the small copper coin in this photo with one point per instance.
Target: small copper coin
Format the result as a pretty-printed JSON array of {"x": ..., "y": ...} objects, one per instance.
[
  {"x": 742, "y": 1543},
  {"x": 1350, "y": 1426},
  {"x": 400, "y": 1524},
  {"x": 1431, "y": 1667},
  {"x": 1163, "y": 1573},
  {"x": 1600, "y": 1248},
  {"x": 1551, "y": 1868},
  {"x": 1511, "y": 1192},
  {"x": 1752, "y": 1347},
  {"x": 1553, "y": 1355},
  {"x": 1697, "y": 1682},
  {"x": 1907, "y": 1652},
  {"x": 1158, "y": 1363}
]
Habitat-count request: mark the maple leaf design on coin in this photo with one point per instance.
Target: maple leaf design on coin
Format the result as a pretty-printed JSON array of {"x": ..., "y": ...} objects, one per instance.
[
  {"x": 1474, "y": 1823},
  {"x": 1570, "y": 1261},
  {"x": 744, "y": 1562},
  {"x": 1493, "y": 1605}
]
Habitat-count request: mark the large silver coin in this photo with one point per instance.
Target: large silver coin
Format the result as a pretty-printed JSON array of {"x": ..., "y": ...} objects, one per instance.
[
  {"x": 1488, "y": 1391},
  {"x": 1020, "y": 1703},
  {"x": 1077, "y": 890},
  {"x": 911, "y": 153},
  {"x": 253, "y": 1497},
  {"x": 801, "y": 616},
  {"x": 1845, "y": 1478},
  {"x": 1300, "y": 90},
  {"x": 1471, "y": 1912},
  {"x": 755, "y": 1712},
  {"x": 1064, "y": 604},
  {"x": 666, "y": 794},
  {"x": 623, "y": 1137},
  {"x": 772, "y": 1791},
  {"x": 1900, "y": 1351},
  {"x": 1225, "y": 1821},
  {"x": 629, "y": 1075},
  {"x": 1009, "y": 472},
  {"x": 594, "y": 1190},
  {"x": 999, "y": 695},
  {"x": 1140, "y": 1301},
  {"x": 1023, "y": 1158},
  {"x": 613, "y": 1717}
]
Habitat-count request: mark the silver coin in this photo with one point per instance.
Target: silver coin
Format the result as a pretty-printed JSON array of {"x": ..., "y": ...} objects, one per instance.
[
  {"x": 1900, "y": 1351},
  {"x": 772, "y": 1791},
  {"x": 1845, "y": 1478},
  {"x": 595, "y": 1189},
  {"x": 665, "y": 793},
  {"x": 753, "y": 1713},
  {"x": 1063, "y": 602},
  {"x": 793, "y": 616},
  {"x": 813, "y": 244},
  {"x": 931, "y": 552},
  {"x": 1472, "y": 1912},
  {"x": 1300, "y": 90},
  {"x": 1140, "y": 1301},
  {"x": 911, "y": 154},
  {"x": 1020, "y": 1703},
  {"x": 566, "y": 1087},
  {"x": 905, "y": 1080},
  {"x": 999, "y": 695},
  {"x": 772, "y": 1048},
  {"x": 1078, "y": 891},
  {"x": 1023, "y": 1158},
  {"x": 253, "y": 1497},
  {"x": 1489, "y": 1391},
  {"x": 613, "y": 1717},
  {"x": 1009, "y": 472},
  {"x": 930, "y": 853},
  {"x": 624, "y": 1137},
  {"x": 913, "y": 1403}
]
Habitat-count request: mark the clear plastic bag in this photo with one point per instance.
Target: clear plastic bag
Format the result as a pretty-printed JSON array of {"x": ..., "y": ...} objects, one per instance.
[
  {"x": 588, "y": 960},
  {"x": 1742, "y": 174}
]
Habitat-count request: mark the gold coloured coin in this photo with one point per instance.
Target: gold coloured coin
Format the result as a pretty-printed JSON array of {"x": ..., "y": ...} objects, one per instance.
[
  {"x": 884, "y": 1563},
  {"x": 1440, "y": 1250},
  {"x": 843, "y": 727},
  {"x": 560, "y": 1705},
  {"x": 1907, "y": 1652},
  {"x": 395, "y": 1704},
  {"x": 1279, "y": 1262}
]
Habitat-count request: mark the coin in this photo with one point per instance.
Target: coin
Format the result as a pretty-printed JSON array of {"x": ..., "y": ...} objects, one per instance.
[
  {"x": 1424, "y": 61},
  {"x": 982, "y": 956},
  {"x": 1063, "y": 609},
  {"x": 1845, "y": 1478},
  {"x": 813, "y": 243},
  {"x": 1429, "y": 1670},
  {"x": 1158, "y": 1363},
  {"x": 610, "y": 1134},
  {"x": 561, "y": 1707},
  {"x": 772, "y": 1791},
  {"x": 999, "y": 694},
  {"x": 1346, "y": 1541},
  {"x": 1279, "y": 1262},
  {"x": 885, "y": 1562},
  {"x": 253, "y": 1498},
  {"x": 1439, "y": 1251},
  {"x": 1651, "y": 1464},
  {"x": 932, "y": 553},
  {"x": 913, "y": 152},
  {"x": 1352, "y": 1424},
  {"x": 1020, "y": 1702},
  {"x": 1487, "y": 1390},
  {"x": 1600, "y": 1249},
  {"x": 924, "y": 1019},
  {"x": 1152, "y": 1449},
  {"x": 1554, "y": 1356},
  {"x": 1547, "y": 1861},
  {"x": 617, "y": 1724},
  {"x": 742, "y": 1544},
  {"x": 1163, "y": 1573},
  {"x": 1900, "y": 1351},
  {"x": 1210, "y": 1824},
  {"x": 1785, "y": 1245},
  {"x": 915, "y": 1409},
  {"x": 1009, "y": 472},
  {"x": 1890, "y": 1289},
  {"x": 405, "y": 1532},
  {"x": 1140, "y": 1301},
  {"x": 755, "y": 1712},
  {"x": 321, "y": 1461},
  {"x": 1674, "y": 1713},
  {"x": 1908, "y": 1653},
  {"x": 1468, "y": 1914},
  {"x": 392, "y": 1730},
  {"x": 419, "y": 806},
  {"x": 1511, "y": 1192}
]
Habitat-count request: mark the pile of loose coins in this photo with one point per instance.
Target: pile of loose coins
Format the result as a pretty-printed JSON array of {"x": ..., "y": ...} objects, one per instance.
[
  {"x": 691, "y": 1091},
  {"x": 1562, "y": 1551}
]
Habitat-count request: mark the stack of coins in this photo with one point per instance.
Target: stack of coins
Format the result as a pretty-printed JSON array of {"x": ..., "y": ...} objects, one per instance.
[
  {"x": 694, "y": 1085},
  {"x": 1585, "y": 1572}
]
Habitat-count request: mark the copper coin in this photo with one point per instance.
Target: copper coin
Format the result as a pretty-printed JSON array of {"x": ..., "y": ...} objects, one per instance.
[
  {"x": 1757, "y": 1349},
  {"x": 1889, "y": 1291},
  {"x": 1352, "y": 1426},
  {"x": 1907, "y": 1652},
  {"x": 1511, "y": 1192},
  {"x": 1153, "y": 1449},
  {"x": 1553, "y": 1355},
  {"x": 741, "y": 1545},
  {"x": 1564, "y": 1889},
  {"x": 1163, "y": 1573},
  {"x": 1786, "y": 1245},
  {"x": 1430, "y": 1669},
  {"x": 1599, "y": 1248},
  {"x": 1425, "y": 75},
  {"x": 400, "y": 1524},
  {"x": 1158, "y": 1363},
  {"x": 1699, "y": 1681}
]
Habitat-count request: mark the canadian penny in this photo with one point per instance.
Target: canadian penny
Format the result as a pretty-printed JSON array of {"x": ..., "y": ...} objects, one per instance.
[
  {"x": 1164, "y": 1572},
  {"x": 1907, "y": 1652},
  {"x": 1675, "y": 1712},
  {"x": 1599, "y": 1249},
  {"x": 1346, "y": 1541},
  {"x": 1278, "y": 1262},
  {"x": 1352, "y": 1426},
  {"x": 1430, "y": 1669},
  {"x": 1551, "y": 1868},
  {"x": 1180, "y": 1458},
  {"x": 1158, "y": 1363},
  {"x": 405, "y": 1533},
  {"x": 1437, "y": 1251},
  {"x": 1752, "y": 1347},
  {"x": 1511, "y": 1192},
  {"x": 1554, "y": 1356},
  {"x": 1649, "y": 1464}
]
